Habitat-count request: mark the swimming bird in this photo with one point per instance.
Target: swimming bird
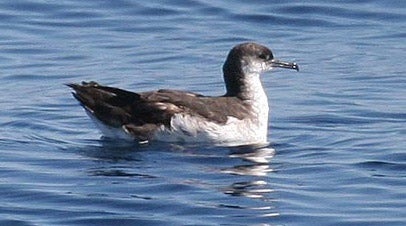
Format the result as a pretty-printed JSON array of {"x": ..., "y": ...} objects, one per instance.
[{"x": 239, "y": 117}]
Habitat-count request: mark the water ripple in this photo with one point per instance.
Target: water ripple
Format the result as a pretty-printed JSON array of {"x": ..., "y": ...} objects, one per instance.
[{"x": 336, "y": 128}]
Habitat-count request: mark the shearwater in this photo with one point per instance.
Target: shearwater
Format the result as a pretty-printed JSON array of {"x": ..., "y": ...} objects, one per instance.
[{"x": 239, "y": 117}]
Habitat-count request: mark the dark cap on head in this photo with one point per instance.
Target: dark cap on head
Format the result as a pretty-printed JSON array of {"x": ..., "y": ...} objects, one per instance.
[{"x": 242, "y": 55}]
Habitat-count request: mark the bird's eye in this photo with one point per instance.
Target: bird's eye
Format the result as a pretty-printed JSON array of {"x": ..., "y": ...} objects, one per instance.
[{"x": 263, "y": 56}]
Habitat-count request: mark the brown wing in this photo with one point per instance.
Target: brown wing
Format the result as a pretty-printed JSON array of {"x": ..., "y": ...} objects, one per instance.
[
  {"x": 141, "y": 113},
  {"x": 215, "y": 109}
]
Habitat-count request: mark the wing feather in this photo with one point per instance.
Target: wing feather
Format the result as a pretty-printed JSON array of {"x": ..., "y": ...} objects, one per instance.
[{"x": 142, "y": 113}]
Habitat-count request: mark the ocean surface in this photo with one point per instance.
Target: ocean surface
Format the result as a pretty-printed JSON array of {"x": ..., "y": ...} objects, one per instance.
[{"x": 337, "y": 130}]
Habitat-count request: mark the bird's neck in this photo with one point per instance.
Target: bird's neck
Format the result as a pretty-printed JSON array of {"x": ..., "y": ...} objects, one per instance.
[
  {"x": 248, "y": 88},
  {"x": 240, "y": 81},
  {"x": 243, "y": 84},
  {"x": 254, "y": 94}
]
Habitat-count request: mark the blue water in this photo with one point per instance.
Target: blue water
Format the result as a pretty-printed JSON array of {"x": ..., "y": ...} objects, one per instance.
[{"x": 337, "y": 128}]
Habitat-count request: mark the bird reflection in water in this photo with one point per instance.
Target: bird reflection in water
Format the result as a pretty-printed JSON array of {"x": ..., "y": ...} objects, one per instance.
[
  {"x": 247, "y": 167},
  {"x": 255, "y": 169}
]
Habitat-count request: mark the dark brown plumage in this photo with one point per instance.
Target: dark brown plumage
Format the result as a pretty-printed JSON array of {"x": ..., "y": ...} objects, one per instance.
[{"x": 141, "y": 113}]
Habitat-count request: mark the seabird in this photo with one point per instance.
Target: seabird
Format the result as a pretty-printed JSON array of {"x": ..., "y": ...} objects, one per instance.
[{"x": 238, "y": 117}]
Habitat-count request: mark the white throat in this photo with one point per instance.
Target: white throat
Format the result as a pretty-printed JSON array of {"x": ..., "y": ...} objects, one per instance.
[{"x": 258, "y": 100}]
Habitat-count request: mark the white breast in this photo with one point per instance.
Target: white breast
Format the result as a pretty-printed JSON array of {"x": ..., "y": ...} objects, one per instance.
[{"x": 186, "y": 128}]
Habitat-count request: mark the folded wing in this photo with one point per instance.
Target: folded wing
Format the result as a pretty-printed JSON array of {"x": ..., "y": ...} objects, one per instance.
[{"x": 140, "y": 114}]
